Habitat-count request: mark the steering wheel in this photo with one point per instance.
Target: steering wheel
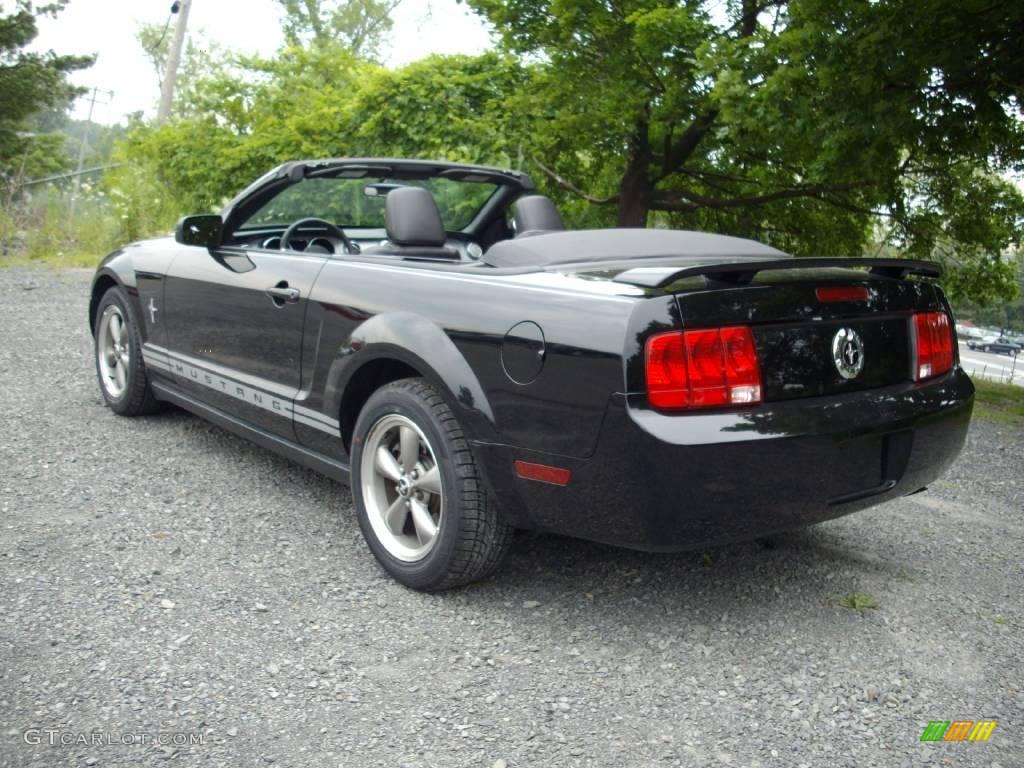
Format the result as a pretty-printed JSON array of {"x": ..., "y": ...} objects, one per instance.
[{"x": 332, "y": 232}]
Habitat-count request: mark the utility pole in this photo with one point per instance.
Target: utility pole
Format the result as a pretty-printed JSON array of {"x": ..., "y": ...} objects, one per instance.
[
  {"x": 84, "y": 146},
  {"x": 182, "y": 7}
]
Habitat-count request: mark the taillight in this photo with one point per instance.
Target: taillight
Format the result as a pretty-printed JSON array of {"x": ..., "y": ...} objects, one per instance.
[
  {"x": 933, "y": 335},
  {"x": 707, "y": 368},
  {"x": 667, "y": 382}
]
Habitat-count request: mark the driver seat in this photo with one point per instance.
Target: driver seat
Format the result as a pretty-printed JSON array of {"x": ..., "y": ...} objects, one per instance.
[{"x": 414, "y": 227}]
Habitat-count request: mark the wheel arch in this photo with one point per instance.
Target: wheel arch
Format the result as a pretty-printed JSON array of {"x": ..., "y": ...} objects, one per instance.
[
  {"x": 115, "y": 270},
  {"x": 103, "y": 283},
  {"x": 370, "y": 377},
  {"x": 398, "y": 345}
]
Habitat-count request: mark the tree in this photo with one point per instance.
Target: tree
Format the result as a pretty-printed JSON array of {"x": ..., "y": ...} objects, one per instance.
[
  {"x": 31, "y": 82},
  {"x": 359, "y": 25},
  {"x": 443, "y": 107},
  {"x": 812, "y": 124},
  {"x": 324, "y": 102}
]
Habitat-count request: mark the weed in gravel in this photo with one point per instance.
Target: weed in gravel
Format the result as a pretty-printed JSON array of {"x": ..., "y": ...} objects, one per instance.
[
  {"x": 1000, "y": 620},
  {"x": 858, "y": 601}
]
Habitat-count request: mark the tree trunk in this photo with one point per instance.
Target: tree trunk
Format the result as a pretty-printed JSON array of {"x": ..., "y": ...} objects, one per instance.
[{"x": 635, "y": 189}]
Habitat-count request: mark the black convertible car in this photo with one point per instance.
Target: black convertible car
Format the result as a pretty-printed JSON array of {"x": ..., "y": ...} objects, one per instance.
[{"x": 428, "y": 332}]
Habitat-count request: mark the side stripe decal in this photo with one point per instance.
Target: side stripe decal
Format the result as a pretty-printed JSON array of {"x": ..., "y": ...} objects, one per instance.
[{"x": 185, "y": 368}]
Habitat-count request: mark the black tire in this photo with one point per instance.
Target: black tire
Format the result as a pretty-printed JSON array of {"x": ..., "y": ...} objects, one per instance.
[
  {"x": 137, "y": 399},
  {"x": 472, "y": 537}
]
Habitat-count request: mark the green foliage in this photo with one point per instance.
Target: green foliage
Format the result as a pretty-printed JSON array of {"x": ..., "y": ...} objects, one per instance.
[
  {"x": 31, "y": 82},
  {"x": 811, "y": 124},
  {"x": 858, "y": 601},
  {"x": 1007, "y": 315},
  {"x": 357, "y": 25},
  {"x": 46, "y": 228},
  {"x": 323, "y": 102},
  {"x": 139, "y": 203},
  {"x": 443, "y": 107}
]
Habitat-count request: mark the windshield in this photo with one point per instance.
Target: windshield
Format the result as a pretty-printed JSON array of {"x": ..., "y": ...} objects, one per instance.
[{"x": 350, "y": 202}]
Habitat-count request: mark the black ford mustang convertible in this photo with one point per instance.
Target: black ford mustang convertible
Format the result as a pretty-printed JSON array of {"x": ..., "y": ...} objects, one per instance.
[{"x": 430, "y": 333}]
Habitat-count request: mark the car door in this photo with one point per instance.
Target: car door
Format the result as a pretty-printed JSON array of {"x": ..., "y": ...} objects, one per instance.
[{"x": 234, "y": 329}]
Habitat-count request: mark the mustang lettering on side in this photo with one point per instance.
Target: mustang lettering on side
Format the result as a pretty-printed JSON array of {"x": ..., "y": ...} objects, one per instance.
[{"x": 431, "y": 334}]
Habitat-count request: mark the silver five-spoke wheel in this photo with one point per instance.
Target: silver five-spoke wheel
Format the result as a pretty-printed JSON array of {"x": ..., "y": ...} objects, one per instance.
[
  {"x": 113, "y": 352},
  {"x": 401, "y": 487}
]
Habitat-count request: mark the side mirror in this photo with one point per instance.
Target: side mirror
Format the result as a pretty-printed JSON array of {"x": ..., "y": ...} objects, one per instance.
[{"x": 204, "y": 230}]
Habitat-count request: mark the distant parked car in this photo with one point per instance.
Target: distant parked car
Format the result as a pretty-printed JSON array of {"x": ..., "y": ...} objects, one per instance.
[
  {"x": 1000, "y": 344},
  {"x": 969, "y": 332}
]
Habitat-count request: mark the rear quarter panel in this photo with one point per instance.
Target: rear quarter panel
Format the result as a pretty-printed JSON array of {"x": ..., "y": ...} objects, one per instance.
[{"x": 362, "y": 310}]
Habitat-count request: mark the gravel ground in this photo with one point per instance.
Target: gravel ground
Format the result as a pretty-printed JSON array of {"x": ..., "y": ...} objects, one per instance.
[{"x": 163, "y": 576}]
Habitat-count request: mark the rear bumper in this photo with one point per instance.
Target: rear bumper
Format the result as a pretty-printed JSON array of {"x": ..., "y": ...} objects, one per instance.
[{"x": 662, "y": 482}]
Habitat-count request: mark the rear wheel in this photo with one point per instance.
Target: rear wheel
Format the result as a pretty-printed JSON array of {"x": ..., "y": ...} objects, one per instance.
[
  {"x": 119, "y": 367},
  {"x": 422, "y": 504}
]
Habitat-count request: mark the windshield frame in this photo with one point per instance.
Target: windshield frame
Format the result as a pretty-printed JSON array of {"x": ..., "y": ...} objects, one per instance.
[
  {"x": 362, "y": 210},
  {"x": 512, "y": 184}
]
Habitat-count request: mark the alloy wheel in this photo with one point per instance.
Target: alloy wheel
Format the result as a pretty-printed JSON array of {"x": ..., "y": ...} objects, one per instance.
[
  {"x": 401, "y": 488},
  {"x": 113, "y": 352}
]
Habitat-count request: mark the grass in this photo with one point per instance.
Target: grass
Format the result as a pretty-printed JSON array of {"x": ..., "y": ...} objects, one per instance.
[
  {"x": 50, "y": 229},
  {"x": 59, "y": 260},
  {"x": 858, "y": 601},
  {"x": 995, "y": 619},
  {"x": 907, "y": 576},
  {"x": 50, "y": 234},
  {"x": 1001, "y": 403}
]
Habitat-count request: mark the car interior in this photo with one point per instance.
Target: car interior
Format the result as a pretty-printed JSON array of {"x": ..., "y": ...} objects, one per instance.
[{"x": 414, "y": 227}]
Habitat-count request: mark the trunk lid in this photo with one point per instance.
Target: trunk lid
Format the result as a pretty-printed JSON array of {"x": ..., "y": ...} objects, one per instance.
[{"x": 801, "y": 340}]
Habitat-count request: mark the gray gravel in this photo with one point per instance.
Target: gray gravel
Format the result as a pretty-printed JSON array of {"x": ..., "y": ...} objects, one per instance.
[{"x": 163, "y": 576}]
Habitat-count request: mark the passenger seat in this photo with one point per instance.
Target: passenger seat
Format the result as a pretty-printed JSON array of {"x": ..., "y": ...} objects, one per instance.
[{"x": 535, "y": 215}]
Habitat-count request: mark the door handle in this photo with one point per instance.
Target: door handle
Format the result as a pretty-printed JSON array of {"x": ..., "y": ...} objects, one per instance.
[{"x": 283, "y": 294}]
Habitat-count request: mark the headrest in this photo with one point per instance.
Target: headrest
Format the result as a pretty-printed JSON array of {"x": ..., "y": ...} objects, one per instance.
[
  {"x": 536, "y": 213},
  {"x": 411, "y": 218}
]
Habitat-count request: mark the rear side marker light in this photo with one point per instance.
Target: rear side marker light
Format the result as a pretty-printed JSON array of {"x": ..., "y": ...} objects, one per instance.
[
  {"x": 706, "y": 368},
  {"x": 933, "y": 339},
  {"x": 832, "y": 293},
  {"x": 542, "y": 473}
]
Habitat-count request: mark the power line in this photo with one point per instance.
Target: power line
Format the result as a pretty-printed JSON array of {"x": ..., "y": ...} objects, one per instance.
[{"x": 61, "y": 176}]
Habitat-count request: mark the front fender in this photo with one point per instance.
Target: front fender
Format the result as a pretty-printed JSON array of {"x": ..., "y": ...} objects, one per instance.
[
  {"x": 115, "y": 269},
  {"x": 139, "y": 269},
  {"x": 421, "y": 344}
]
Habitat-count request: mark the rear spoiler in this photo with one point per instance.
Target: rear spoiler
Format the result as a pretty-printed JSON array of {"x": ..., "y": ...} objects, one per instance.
[{"x": 725, "y": 274}]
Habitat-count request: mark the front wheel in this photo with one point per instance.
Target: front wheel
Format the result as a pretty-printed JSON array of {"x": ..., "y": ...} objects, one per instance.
[
  {"x": 119, "y": 367},
  {"x": 422, "y": 503}
]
